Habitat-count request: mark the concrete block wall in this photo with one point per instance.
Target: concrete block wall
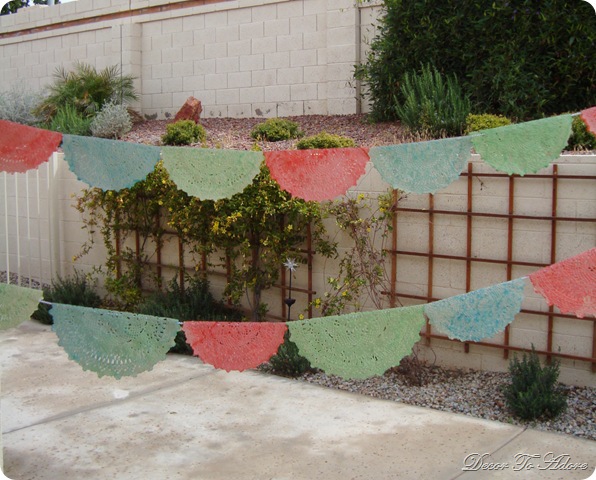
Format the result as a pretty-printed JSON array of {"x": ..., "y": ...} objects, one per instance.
[{"x": 244, "y": 58}]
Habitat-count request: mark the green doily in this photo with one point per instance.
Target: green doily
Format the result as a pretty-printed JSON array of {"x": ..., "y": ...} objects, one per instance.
[
  {"x": 211, "y": 174},
  {"x": 358, "y": 345},
  {"x": 525, "y": 147},
  {"x": 116, "y": 344},
  {"x": 17, "y": 304}
]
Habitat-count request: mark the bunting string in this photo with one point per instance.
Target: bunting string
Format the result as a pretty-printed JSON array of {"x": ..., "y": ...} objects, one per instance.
[{"x": 234, "y": 345}]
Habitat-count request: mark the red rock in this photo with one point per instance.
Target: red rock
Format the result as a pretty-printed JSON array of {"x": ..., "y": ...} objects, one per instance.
[{"x": 191, "y": 110}]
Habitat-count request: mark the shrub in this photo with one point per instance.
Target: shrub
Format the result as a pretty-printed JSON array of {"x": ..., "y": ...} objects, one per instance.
[
  {"x": 325, "y": 140},
  {"x": 18, "y": 104},
  {"x": 581, "y": 138},
  {"x": 87, "y": 90},
  {"x": 183, "y": 132},
  {"x": 112, "y": 121},
  {"x": 72, "y": 290},
  {"x": 475, "y": 123},
  {"x": 433, "y": 104},
  {"x": 195, "y": 302},
  {"x": 68, "y": 120},
  {"x": 288, "y": 362},
  {"x": 533, "y": 392},
  {"x": 276, "y": 129},
  {"x": 543, "y": 66}
]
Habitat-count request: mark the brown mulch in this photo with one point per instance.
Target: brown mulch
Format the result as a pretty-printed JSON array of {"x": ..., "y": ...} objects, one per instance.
[{"x": 234, "y": 133}]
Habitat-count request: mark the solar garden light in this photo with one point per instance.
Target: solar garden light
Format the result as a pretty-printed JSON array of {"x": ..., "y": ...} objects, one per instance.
[{"x": 291, "y": 265}]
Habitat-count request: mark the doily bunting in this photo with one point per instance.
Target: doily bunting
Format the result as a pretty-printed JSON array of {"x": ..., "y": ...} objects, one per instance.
[
  {"x": 570, "y": 285},
  {"x": 234, "y": 345},
  {"x": 211, "y": 174},
  {"x": 319, "y": 174},
  {"x": 109, "y": 164},
  {"x": 25, "y": 148},
  {"x": 423, "y": 167},
  {"x": 479, "y": 314},
  {"x": 589, "y": 118},
  {"x": 117, "y": 344},
  {"x": 361, "y": 344},
  {"x": 523, "y": 147},
  {"x": 17, "y": 304}
]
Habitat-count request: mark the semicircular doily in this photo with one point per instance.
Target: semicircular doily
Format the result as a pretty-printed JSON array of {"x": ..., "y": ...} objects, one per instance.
[
  {"x": 361, "y": 344},
  {"x": 480, "y": 314},
  {"x": 117, "y": 344},
  {"x": 523, "y": 147},
  {"x": 24, "y": 148},
  {"x": 17, "y": 304},
  {"x": 589, "y": 118},
  {"x": 318, "y": 174},
  {"x": 570, "y": 285},
  {"x": 211, "y": 174},
  {"x": 422, "y": 167},
  {"x": 109, "y": 164},
  {"x": 234, "y": 345}
]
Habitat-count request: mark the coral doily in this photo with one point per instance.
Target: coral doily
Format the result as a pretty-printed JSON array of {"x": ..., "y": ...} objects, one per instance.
[
  {"x": 422, "y": 167},
  {"x": 525, "y": 147},
  {"x": 117, "y": 344},
  {"x": 24, "y": 148},
  {"x": 211, "y": 174},
  {"x": 570, "y": 285},
  {"x": 361, "y": 344},
  {"x": 318, "y": 174},
  {"x": 479, "y": 314},
  {"x": 109, "y": 164},
  {"x": 234, "y": 345},
  {"x": 17, "y": 304},
  {"x": 589, "y": 117}
]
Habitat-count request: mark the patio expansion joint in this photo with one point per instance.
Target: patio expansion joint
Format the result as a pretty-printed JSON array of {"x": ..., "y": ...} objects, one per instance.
[{"x": 107, "y": 404}]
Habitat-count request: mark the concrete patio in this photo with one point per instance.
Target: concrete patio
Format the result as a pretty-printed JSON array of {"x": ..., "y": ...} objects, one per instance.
[{"x": 186, "y": 420}]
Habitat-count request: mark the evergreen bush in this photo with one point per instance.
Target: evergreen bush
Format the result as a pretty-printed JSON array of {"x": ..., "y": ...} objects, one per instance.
[
  {"x": 276, "y": 129},
  {"x": 534, "y": 392},
  {"x": 580, "y": 138},
  {"x": 183, "y": 132},
  {"x": 112, "y": 121},
  {"x": 288, "y": 362},
  {"x": 71, "y": 290},
  {"x": 70, "y": 121},
  {"x": 325, "y": 140},
  {"x": 475, "y": 123}
]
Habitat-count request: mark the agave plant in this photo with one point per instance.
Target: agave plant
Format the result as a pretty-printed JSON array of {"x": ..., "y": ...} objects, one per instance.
[{"x": 87, "y": 90}]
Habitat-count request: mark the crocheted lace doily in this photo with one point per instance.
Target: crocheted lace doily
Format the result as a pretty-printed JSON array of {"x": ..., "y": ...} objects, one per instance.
[
  {"x": 589, "y": 118},
  {"x": 109, "y": 164},
  {"x": 570, "y": 285},
  {"x": 318, "y": 174},
  {"x": 422, "y": 167},
  {"x": 479, "y": 314},
  {"x": 211, "y": 174},
  {"x": 116, "y": 344},
  {"x": 234, "y": 345},
  {"x": 525, "y": 147},
  {"x": 361, "y": 344},
  {"x": 17, "y": 304},
  {"x": 24, "y": 148}
]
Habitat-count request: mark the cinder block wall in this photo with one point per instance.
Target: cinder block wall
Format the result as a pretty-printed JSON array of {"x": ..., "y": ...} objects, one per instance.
[{"x": 242, "y": 58}]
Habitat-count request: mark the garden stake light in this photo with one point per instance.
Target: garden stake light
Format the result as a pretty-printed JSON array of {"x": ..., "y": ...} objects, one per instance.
[{"x": 291, "y": 265}]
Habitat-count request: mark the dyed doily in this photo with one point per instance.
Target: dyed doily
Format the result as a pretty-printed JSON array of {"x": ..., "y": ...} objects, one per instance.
[
  {"x": 320, "y": 174},
  {"x": 479, "y": 314},
  {"x": 361, "y": 344},
  {"x": 24, "y": 148},
  {"x": 117, "y": 344},
  {"x": 234, "y": 345},
  {"x": 17, "y": 304},
  {"x": 109, "y": 164},
  {"x": 211, "y": 174},
  {"x": 570, "y": 285},
  {"x": 589, "y": 118},
  {"x": 422, "y": 167},
  {"x": 524, "y": 147}
]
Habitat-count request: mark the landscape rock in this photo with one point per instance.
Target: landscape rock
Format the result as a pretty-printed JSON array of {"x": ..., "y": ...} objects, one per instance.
[{"x": 191, "y": 110}]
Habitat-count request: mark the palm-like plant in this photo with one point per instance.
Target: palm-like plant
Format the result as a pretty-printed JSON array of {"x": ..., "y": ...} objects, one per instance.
[{"x": 87, "y": 90}]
